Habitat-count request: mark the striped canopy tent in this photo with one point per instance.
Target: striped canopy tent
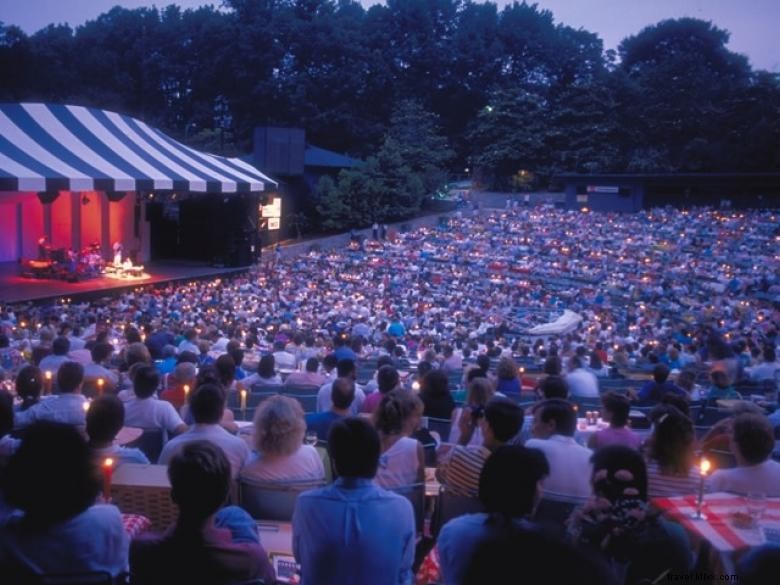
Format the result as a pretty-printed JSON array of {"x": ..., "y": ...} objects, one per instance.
[{"x": 46, "y": 147}]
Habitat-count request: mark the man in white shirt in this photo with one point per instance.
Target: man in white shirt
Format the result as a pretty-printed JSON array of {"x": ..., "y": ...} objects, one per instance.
[
  {"x": 190, "y": 342},
  {"x": 555, "y": 422},
  {"x": 767, "y": 370},
  {"x": 283, "y": 358},
  {"x": 100, "y": 353},
  {"x": 344, "y": 369},
  {"x": 752, "y": 442},
  {"x": 59, "y": 355},
  {"x": 581, "y": 382},
  {"x": 145, "y": 411},
  {"x": 66, "y": 407},
  {"x": 207, "y": 405}
]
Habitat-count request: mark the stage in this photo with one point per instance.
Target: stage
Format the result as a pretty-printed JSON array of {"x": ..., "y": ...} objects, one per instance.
[{"x": 18, "y": 289}]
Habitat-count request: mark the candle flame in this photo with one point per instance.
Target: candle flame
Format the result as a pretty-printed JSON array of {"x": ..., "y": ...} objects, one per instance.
[
  {"x": 705, "y": 466},
  {"x": 85, "y": 406},
  {"x": 48, "y": 374},
  {"x": 186, "y": 389},
  {"x": 108, "y": 463},
  {"x": 101, "y": 381},
  {"x": 243, "y": 393}
]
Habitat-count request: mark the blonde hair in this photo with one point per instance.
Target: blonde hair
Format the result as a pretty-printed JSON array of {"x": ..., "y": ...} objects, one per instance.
[
  {"x": 506, "y": 369},
  {"x": 395, "y": 410},
  {"x": 279, "y": 426}
]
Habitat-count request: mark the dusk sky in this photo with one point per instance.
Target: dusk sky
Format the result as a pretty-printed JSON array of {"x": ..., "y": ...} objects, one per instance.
[{"x": 752, "y": 23}]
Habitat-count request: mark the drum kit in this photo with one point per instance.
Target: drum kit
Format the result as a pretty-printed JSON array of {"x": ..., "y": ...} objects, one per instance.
[{"x": 64, "y": 264}]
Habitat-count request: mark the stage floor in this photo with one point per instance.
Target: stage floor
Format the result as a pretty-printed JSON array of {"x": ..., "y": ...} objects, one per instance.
[{"x": 16, "y": 289}]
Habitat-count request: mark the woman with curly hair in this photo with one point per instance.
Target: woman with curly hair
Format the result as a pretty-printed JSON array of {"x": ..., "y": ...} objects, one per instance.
[
  {"x": 508, "y": 381},
  {"x": 618, "y": 525},
  {"x": 280, "y": 454},
  {"x": 670, "y": 453}
]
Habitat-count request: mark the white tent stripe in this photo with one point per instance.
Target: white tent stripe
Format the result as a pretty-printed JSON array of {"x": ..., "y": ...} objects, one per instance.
[{"x": 28, "y": 180}]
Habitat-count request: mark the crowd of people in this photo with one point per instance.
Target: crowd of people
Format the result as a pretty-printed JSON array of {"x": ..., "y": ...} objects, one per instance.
[{"x": 387, "y": 338}]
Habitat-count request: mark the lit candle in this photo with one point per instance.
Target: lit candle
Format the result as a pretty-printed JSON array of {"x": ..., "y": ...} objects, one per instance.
[
  {"x": 47, "y": 375},
  {"x": 85, "y": 406},
  {"x": 108, "y": 472},
  {"x": 243, "y": 402},
  {"x": 100, "y": 383},
  {"x": 704, "y": 467},
  {"x": 186, "y": 391},
  {"x": 416, "y": 386}
]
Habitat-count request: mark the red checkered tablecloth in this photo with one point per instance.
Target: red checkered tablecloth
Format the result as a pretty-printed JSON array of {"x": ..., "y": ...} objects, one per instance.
[
  {"x": 135, "y": 524},
  {"x": 718, "y": 528}
]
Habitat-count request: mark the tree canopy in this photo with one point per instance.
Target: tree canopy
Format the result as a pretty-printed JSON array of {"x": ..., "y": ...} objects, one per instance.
[{"x": 500, "y": 91}]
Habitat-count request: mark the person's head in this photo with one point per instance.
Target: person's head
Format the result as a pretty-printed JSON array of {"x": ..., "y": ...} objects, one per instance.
[
  {"x": 55, "y": 457},
  {"x": 6, "y": 412},
  {"x": 509, "y": 481},
  {"x": 480, "y": 391},
  {"x": 434, "y": 384},
  {"x": 575, "y": 362},
  {"x": 207, "y": 404},
  {"x": 226, "y": 369},
  {"x": 619, "y": 472},
  {"x": 552, "y": 366},
  {"x": 329, "y": 362},
  {"x": 312, "y": 365},
  {"x": 185, "y": 373},
  {"x": 554, "y": 387},
  {"x": 237, "y": 355},
  {"x": 672, "y": 442},
  {"x": 266, "y": 367},
  {"x": 101, "y": 351},
  {"x": 595, "y": 361},
  {"x": 353, "y": 445},
  {"x": 70, "y": 376},
  {"x": 769, "y": 354},
  {"x": 60, "y": 346},
  {"x": 660, "y": 373},
  {"x": 187, "y": 357},
  {"x": 554, "y": 417},
  {"x": 686, "y": 380},
  {"x": 105, "y": 418},
  {"x": 398, "y": 412},
  {"x": 506, "y": 369},
  {"x": 145, "y": 381},
  {"x": 190, "y": 334},
  {"x": 616, "y": 409},
  {"x": 279, "y": 426},
  {"x": 345, "y": 368},
  {"x": 342, "y": 393},
  {"x": 136, "y": 353},
  {"x": 483, "y": 361},
  {"x": 679, "y": 402},
  {"x": 29, "y": 383},
  {"x": 200, "y": 480},
  {"x": 387, "y": 379},
  {"x": 502, "y": 420},
  {"x": 752, "y": 439}
]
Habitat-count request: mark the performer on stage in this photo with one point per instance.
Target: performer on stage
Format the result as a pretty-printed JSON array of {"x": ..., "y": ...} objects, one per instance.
[
  {"x": 44, "y": 248},
  {"x": 118, "y": 249}
]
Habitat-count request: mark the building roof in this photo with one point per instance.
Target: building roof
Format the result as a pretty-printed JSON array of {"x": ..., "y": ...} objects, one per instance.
[{"x": 315, "y": 156}]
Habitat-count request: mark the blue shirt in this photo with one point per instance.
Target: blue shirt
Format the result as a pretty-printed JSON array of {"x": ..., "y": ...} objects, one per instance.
[
  {"x": 65, "y": 408},
  {"x": 352, "y": 533},
  {"x": 345, "y": 353},
  {"x": 320, "y": 422},
  {"x": 651, "y": 392}
]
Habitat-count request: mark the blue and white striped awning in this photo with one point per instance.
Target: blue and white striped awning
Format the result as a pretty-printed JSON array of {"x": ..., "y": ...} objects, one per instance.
[{"x": 45, "y": 147}]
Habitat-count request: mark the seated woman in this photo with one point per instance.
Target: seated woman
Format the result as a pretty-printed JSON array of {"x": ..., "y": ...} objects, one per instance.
[
  {"x": 280, "y": 455},
  {"x": 401, "y": 461},
  {"x": 615, "y": 408},
  {"x": 58, "y": 527},
  {"x": 29, "y": 385},
  {"x": 618, "y": 525},
  {"x": 670, "y": 454},
  {"x": 480, "y": 392},
  {"x": 436, "y": 397},
  {"x": 266, "y": 373}
]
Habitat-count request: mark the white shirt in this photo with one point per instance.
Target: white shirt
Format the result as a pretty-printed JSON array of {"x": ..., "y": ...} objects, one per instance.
[
  {"x": 762, "y": 478},
  {"x": 151, "y": 413},
  {"x": 52, "y": 363},
  {"x": 284, "y": 359},
  {"x": 94, "y": 371},
  {"x": 236, "y": 450},
  {"x": 398, "y": 466},
  {"x": 570, "y": 467},
  {"x": 325, "y": 403},
  {"x": 62, "y": 408},
  {"x": 188, "y": 346},
  {"x": 305, "y": 464},
  {"x": 583, "y": 383}
]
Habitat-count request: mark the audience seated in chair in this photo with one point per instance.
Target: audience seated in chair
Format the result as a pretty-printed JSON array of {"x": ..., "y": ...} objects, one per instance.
[
  {"x": 105, "y": 418},
  {"x": 401, "y": 462}
]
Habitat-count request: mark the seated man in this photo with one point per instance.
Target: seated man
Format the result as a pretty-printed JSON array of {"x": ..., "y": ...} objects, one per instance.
[
  {"x": 66, "y": 407},
  {"x": 100, "y": 353},
  {"x": 655, "y": 390},
  {"x": 354, "y": 531},
  {"x": 752, "y": 442},
  {"x": 509, "y": 487},
  {"x": 459, "y": 471},
  {"x": 207, "y": 405},
  {"x": 581, "y": 382},
  {"x": 345, "y": 368},
  {"x": 555, "y": 422},
  {"x": 311, "y": 377},
  {"x": 59, "y": 355},
  {"x": 105, "y": 418},
  {"x": 145, "y": 411},
  {"x": 342, "y": 395},
  {"x": 194, "y": 549}
]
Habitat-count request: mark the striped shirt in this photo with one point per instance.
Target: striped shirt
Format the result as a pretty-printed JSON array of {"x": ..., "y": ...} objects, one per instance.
[
  {"x": 459, "y": 472},
  {"x": 660, "y": 485}
]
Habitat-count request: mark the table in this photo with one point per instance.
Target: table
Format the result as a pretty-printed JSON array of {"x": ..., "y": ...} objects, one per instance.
[
  {"x": 727, "y": 541},
  {"x": 145, "y": 490}
]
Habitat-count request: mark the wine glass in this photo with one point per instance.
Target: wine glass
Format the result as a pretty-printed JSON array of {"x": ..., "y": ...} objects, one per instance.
[
  {"x": 310, "y": 438},
  {"x": 756, "y": 505}
]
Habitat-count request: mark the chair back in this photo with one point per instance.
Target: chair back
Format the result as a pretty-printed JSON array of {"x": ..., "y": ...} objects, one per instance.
[
  {"x": 722, "y": 459},
  {"x": 440, "y": 426},
  {"x": 151, "y": 442},
  {"x": 415, "y": 493},
  {"x": 297, "y": 389},
  {"x": 451, "y": 506},
  {"x": 272, "y": 501},
  {"x": 709, "y": 415},
  {"x": 554, "y": 510}
]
